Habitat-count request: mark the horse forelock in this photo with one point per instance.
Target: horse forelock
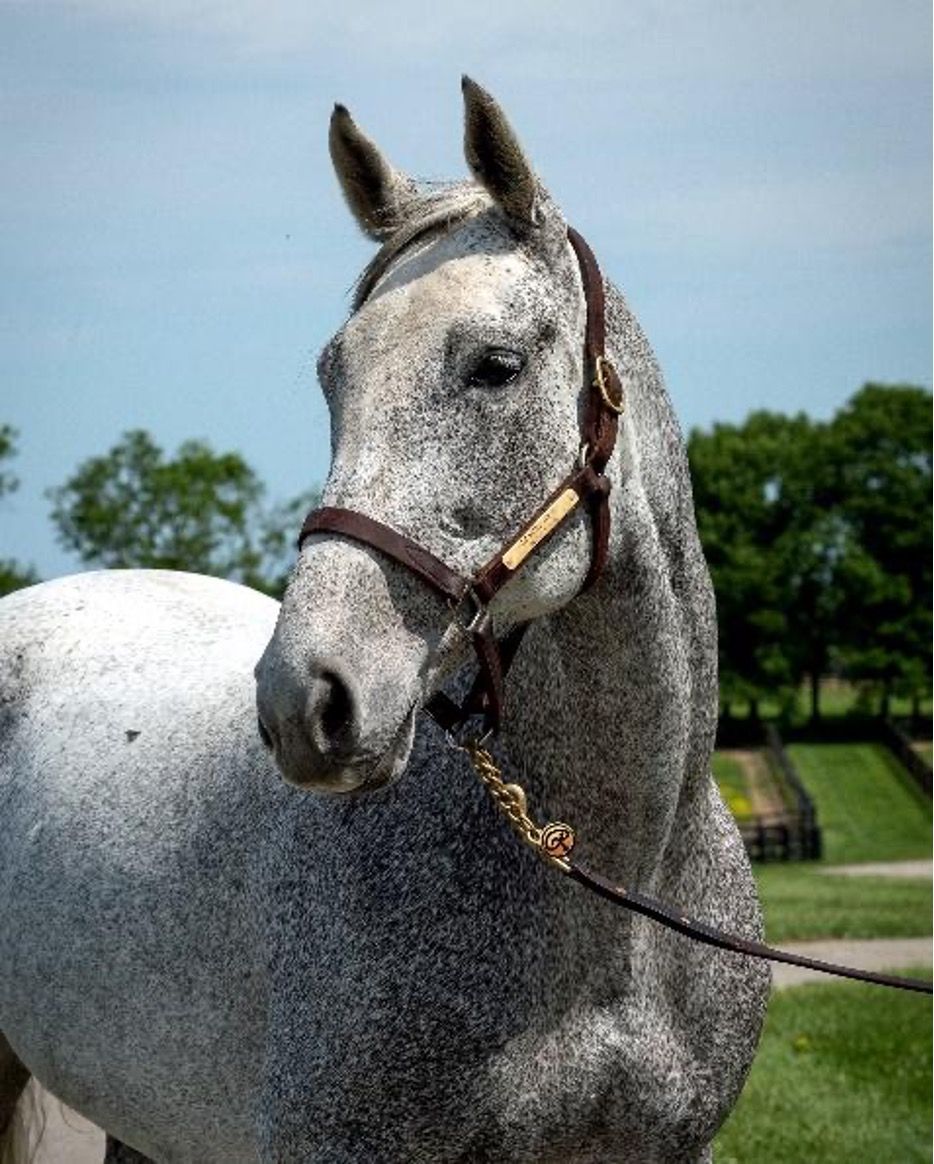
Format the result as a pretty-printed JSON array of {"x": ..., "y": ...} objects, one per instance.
[{"x": 441, "y": 210}]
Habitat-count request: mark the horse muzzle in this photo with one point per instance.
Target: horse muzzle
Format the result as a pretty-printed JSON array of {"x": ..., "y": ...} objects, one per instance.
[{"x": 337, "y": 715}]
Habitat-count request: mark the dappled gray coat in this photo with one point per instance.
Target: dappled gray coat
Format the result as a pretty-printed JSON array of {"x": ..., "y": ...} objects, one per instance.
[{"x": 216, "y": 965}]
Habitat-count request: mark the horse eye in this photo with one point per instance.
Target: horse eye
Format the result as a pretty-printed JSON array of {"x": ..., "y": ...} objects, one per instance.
[{"x": 495, "y": 369}]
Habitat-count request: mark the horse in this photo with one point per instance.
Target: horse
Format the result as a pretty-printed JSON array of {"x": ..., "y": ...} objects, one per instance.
[{"x": 317, "y": 942}]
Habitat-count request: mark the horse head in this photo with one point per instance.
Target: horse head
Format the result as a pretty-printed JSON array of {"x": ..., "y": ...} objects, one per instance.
[{"x": 455, "y": 400}]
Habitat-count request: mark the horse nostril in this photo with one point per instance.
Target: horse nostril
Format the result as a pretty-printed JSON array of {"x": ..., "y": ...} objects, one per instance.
[
  {"x": 333, "y": 715},
  {"x": 264, "y": 733},
  {"x": 337, "y": 708}
]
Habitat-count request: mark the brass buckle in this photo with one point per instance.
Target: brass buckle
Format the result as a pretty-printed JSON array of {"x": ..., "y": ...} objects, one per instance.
[{"x": 600, "y": 364}]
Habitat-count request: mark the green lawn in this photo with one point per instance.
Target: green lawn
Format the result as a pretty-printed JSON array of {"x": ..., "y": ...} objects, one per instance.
[
  {"x": 837, "y": 697},
  {"x": 801, "y": 902},
  {"x": 731, "y": 781},
  {"x": 868, "y": 811},
  {"x": 866, "y": 806},
  {"x": 843, "y": 1073},
  {"x": 843, "y": 1076}
]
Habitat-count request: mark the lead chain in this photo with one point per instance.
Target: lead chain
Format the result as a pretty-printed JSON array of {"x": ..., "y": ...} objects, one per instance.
[{"x": 553, "y": 842}]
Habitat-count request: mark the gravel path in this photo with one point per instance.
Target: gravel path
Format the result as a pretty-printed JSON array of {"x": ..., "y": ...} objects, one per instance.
[
  {"x": 882, "y": 869},
  {"x": 864, "y": 953},
  {"x": 765, "y": 799}
]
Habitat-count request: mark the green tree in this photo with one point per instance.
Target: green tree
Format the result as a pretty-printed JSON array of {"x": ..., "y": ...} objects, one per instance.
[
  {"x": 880, "y": 482},
  {"x": 198, "y": 511},
  {"x": 823, "y": 563},
  {"x": 818, "y": 537},
  {"x": 13, "y": 575},
  {"x": 8, "y": 482},
  {"x": 278, "y": 532},
  {"x": 753, "y": 499}
]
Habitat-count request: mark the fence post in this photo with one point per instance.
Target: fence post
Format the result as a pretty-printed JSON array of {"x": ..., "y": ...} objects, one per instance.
[
  {"x": 811, "y": 840},
  {"x": 896, "y": 740}
]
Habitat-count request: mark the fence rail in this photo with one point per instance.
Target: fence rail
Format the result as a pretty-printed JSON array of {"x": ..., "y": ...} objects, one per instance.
[
  {"x": 896, "y": 740},
  {"x": 792, "y": 835},
  {"x": 784, "y": 838},
  {"x": 796, "y": 835}
]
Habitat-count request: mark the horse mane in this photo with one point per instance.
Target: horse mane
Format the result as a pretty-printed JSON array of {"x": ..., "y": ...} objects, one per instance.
[{"x": 438, "y": 209}]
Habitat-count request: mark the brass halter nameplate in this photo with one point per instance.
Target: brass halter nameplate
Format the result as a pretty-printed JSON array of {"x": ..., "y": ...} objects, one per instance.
[{"x": 540, "y": 529}]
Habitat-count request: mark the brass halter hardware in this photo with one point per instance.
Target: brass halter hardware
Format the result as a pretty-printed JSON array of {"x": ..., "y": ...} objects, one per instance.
[
  {"x": 553, "y": 842},
  {"x": 599, "y": 382}
]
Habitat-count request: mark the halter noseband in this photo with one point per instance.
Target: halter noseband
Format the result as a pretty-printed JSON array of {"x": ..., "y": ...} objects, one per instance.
[{"x": 587, "y": 485}]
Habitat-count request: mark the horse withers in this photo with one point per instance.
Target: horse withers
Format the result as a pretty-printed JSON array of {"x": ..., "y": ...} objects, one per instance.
[{"x": 358, "y": 963}]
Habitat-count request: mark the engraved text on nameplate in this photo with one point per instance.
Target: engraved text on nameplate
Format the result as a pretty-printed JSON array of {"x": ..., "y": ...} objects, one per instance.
[{"x": 540, "y": 529}]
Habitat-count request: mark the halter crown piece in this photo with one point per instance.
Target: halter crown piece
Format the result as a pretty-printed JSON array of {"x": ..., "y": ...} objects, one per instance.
[{"x": 586, "y": 485}]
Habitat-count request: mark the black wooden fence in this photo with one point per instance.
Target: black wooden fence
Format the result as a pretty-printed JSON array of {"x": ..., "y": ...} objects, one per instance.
[
  {"x": 807, "y": 843},
  {"x": 896, "y": 740},
  {"x": 782, "y": 838},
  {"x": 792, "y": 834}
]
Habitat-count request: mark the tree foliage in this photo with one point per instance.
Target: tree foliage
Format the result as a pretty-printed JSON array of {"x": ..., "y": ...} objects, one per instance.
[
  {"x": 818, "y": 537},
  {"x": 8, "y": 481},
  {"x": 750, "y": 509},
  {"x": 13, "y": 575},
  {"x": 881, "y": 484},
  {"x": 198, "y": 510}
]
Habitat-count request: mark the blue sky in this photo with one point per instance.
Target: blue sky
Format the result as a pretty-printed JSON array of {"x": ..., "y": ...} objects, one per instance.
[{"x": 754, "y": 174}]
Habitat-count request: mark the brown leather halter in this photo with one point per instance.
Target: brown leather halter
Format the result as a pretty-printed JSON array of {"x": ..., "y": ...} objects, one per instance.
[{"x": 587, "y": 485}]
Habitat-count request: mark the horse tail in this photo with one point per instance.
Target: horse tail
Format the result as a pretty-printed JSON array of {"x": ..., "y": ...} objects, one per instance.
[{"x": 21, "y": 1116}]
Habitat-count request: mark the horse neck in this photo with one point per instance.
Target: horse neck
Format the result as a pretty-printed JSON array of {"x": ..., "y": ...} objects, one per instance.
[{"x": 613, "y": 706}]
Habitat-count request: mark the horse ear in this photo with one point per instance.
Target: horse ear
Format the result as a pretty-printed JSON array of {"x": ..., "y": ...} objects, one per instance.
[
  {"x": 376, "y": 192},
  {"x": 496, "y": 159}
]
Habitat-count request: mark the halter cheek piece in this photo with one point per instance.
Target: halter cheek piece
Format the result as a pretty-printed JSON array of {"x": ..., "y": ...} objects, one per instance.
[{"x": 588, "y": 486}]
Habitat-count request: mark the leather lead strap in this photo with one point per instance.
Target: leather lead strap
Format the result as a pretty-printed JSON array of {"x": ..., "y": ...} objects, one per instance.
[{"x": 665, "y": 915}]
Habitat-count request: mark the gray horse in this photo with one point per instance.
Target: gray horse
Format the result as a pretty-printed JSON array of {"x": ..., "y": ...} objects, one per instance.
[{"x": 216, "y": 966}]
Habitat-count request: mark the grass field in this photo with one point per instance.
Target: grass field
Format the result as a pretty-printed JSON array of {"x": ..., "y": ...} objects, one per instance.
[
  {"x": 867, "y": 808},
  {"x": 868, "y": 811},
  {"x": 843, "y": 1076},
  {"x": 731, "y": 781},
  {"x": 837, "y": 697},
  {"x": 800, "y": 902},
  {"x": 843, "y": 1072}
]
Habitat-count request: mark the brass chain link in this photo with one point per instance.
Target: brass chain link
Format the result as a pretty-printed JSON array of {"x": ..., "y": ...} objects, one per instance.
[{"x": 553, "y": 842}]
